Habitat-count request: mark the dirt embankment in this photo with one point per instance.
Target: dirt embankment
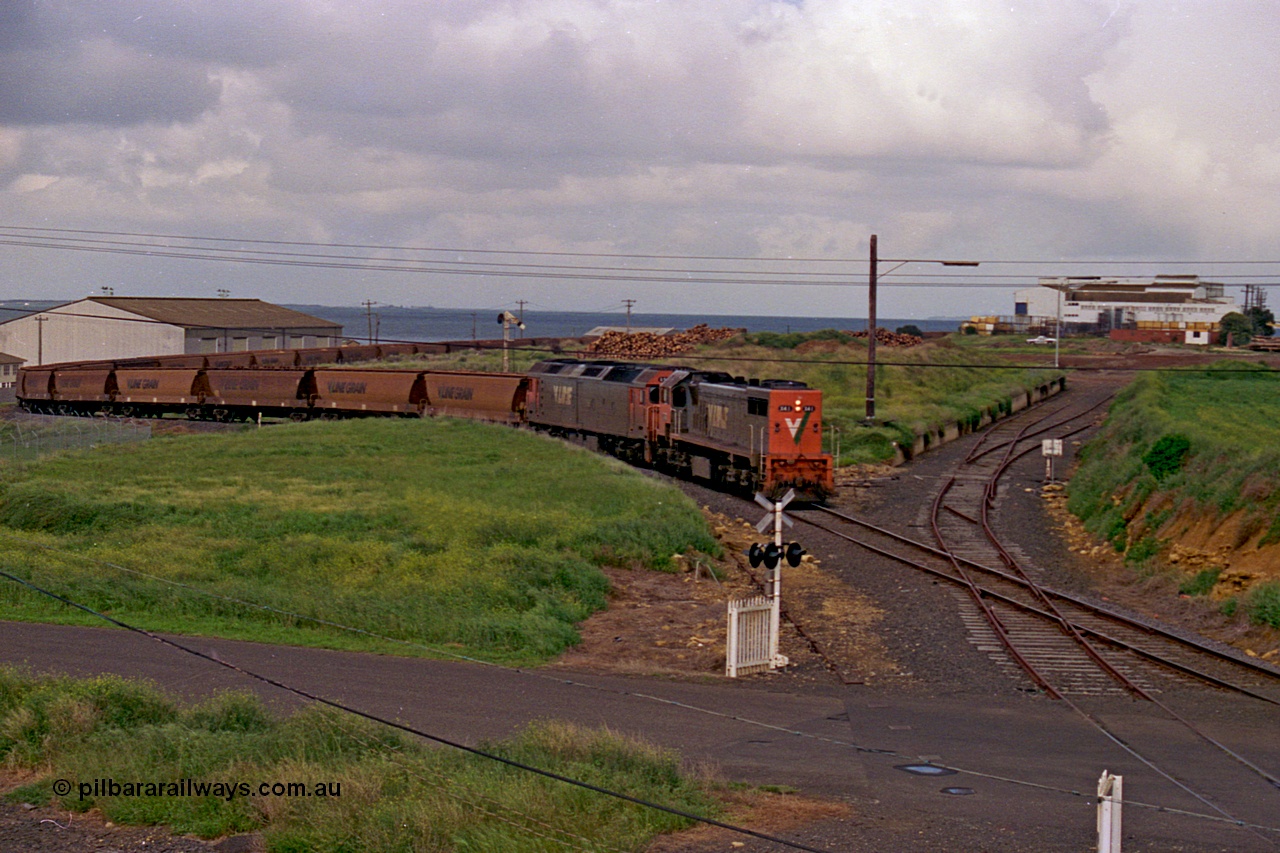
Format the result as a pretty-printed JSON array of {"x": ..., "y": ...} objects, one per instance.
[
  {"x": 676, "y": 624},
  {"x": 1198, "y": 544}
]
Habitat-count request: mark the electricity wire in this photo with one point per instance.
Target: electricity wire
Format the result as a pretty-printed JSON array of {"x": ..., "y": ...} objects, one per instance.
[
  {"x": 861, "y": 748},
  {"x": 350, "y": 709}
]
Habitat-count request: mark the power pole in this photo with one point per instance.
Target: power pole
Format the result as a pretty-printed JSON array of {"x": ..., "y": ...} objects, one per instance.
[
  {"x": 40, "y": 321},
  {"x": 628, "y": 303},
  {"x": 871, "y": 334},
  {"x": 368, "y": 314},
  {"x": 473, "y": 327}
]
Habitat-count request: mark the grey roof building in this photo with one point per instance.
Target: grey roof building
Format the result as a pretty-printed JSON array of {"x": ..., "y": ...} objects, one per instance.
[{"x": 103, "y": 327}]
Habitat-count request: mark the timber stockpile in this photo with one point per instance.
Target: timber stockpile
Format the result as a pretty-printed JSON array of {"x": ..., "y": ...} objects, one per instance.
[
  {"x": 648, "y": 345},
  {"x": 886, "y": 338}
]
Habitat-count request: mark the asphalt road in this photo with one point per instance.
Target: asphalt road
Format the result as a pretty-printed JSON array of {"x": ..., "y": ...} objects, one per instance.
[{"x": 1020, "y": 756}]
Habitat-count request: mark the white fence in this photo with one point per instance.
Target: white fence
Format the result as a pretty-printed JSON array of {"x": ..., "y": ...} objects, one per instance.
[
  {"x": 748, "y": 649},
  {"x": 25, "y": 437}
]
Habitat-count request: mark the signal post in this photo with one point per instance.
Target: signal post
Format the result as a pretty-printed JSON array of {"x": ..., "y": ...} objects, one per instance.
[{"x": 772, "y": 556}]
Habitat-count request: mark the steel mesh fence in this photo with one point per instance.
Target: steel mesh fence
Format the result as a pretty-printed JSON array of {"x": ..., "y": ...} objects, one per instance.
[{"x": 24, "y": 437}]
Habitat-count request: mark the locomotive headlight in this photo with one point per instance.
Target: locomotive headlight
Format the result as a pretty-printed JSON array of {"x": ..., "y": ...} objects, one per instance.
[{"x": 797, "y": 405}]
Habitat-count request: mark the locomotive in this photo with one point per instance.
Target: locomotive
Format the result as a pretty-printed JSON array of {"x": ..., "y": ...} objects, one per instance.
[{"x": 733, "y": 433}]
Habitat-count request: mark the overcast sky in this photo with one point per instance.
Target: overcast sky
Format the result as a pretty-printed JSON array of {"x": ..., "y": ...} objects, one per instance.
[{"x": 1056, "y": 130}]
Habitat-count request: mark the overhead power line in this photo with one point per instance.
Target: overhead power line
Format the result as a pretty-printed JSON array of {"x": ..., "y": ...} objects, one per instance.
[
  {"x": 340, "y": 706},
  {"x": 325, "y": 256},
  {"x": 471, "y": 251}
]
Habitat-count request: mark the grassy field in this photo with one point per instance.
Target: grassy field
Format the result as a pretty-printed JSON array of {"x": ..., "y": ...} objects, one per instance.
[
  {"x": 1208, "y": 439},
  {"x": 486, "y": 540},
  {"x": 381, "y": 792}
]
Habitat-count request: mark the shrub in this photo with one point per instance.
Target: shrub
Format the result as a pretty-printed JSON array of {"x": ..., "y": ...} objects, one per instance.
[
  {"x": 1142, "y": 550},
  {"x": 1264, "y": 604},
  {"x": 1202, "y": 583},
  {"x": 1167, "y": 455}
]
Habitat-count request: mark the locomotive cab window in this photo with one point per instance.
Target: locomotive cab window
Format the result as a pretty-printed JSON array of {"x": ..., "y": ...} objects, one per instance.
[
  {"x": 757, "y": 406},
  {"x": 654, "y": 393},
  {"x": 679, "y": 397}
]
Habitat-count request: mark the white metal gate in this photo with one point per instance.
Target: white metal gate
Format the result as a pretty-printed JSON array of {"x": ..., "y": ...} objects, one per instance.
[{"x": 748, "y": 649}]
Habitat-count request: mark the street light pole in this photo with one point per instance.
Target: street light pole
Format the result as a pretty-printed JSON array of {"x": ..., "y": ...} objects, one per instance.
[
  {"x": 871, "y": 314},
  {"x": 871, "y": 334}
]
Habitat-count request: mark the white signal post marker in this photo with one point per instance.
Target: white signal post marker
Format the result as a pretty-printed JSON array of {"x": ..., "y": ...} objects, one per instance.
[
  {"x": 1049, "y": 448},
  {"x": 775, "y": 519}
]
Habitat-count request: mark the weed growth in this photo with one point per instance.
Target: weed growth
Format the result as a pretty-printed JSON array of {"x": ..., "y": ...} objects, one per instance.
[
  {"x": 433, "y": 532},
  {"x": 391, "y": 794},
  {"x": 1264, "y": 604},
  {"x": 1202, "y": 583},
  {"x": 1204, "y": 438}
]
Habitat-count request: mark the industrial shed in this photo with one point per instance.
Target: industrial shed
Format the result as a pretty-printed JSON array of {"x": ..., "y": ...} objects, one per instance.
[
  {"x": 1180, "y": 308},
  {"x": 102, "y": 327}
]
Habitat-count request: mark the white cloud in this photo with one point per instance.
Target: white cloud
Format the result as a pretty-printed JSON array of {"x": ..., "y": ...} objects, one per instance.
[{"x": 953, "y": 128}]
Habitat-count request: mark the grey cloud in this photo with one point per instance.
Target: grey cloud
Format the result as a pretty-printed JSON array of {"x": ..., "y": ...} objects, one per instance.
[
  {"x": 100, "y": 84},
  {"x": 129, "y": 61}
]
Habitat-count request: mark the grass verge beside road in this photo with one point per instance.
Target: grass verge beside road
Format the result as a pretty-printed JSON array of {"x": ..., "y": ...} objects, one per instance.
[
  {"x": 440, "y": 532},
  {"x": 381, "y": 792}
]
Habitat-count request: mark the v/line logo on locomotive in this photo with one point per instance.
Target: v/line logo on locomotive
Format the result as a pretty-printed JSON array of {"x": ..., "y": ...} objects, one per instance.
[{"x": 562, "y": 394}]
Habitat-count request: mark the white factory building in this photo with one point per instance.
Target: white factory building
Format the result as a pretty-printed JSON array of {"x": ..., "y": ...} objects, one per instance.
[
  {"x": 1166, "y": 307},
  {"x": 107, "y": 327}
]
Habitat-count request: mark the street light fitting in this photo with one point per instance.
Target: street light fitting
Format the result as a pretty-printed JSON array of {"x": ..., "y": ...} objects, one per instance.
[{"x": 871, "y": 313}]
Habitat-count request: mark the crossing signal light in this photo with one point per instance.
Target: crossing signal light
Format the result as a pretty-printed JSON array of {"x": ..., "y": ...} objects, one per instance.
[
  {"x": 794, "y": 552},
  {"x": 771, "y": 555}
]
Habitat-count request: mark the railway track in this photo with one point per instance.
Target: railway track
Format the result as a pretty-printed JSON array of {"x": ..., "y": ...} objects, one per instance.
[
  {"x": 1156, "y": 655},
  {"x": 1054, "y": 641},
  {"x": 1064, "y": 645}
]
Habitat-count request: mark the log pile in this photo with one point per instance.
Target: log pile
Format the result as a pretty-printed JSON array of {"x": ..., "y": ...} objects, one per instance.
[
  {"x": 641, "y": 345},
  {"x": 886, "y": 338}
]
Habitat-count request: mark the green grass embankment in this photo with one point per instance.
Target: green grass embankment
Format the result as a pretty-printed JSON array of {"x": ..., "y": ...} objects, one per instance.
[
  {"x": 919, "y": 390},
  {"x": 1184, "y": 444},
  {"x": 484, "y": 539},
  {"x": 381, "y": 791}
]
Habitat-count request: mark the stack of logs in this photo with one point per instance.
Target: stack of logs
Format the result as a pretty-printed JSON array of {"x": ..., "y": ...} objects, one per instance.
[
  {"x": 649, "y": 345},
  {"x": 886, "y": 338}
]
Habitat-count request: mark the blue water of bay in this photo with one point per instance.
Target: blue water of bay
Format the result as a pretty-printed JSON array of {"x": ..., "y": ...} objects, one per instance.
[{"x": 394, "y": 323}]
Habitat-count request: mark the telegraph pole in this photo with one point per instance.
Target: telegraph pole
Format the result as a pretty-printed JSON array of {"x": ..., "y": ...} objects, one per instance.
[
  {"x": 368, "y": 314},
  {"x": 871, "y": 335},
  {"x": 40, "y": 321},
  {"x": 628, "y": 303}
]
